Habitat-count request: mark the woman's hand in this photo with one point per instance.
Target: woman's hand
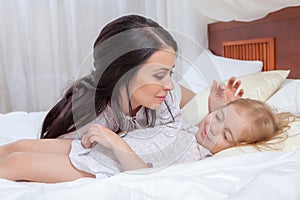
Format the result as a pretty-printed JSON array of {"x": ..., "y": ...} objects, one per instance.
[
  {"x": 221, "y": 94},
  {"x": 101, "y": 135}
]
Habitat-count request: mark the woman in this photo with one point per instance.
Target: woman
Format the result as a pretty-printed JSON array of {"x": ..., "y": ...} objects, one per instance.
[
  {"x": 131, "y": 86},
  {"x": 133, "y": 61}
]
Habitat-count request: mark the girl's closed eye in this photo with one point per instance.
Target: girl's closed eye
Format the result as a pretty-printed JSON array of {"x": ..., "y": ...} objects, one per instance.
[{"x": 228, "y": 137}]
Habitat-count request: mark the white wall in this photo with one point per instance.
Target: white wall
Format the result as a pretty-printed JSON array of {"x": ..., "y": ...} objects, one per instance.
[{"x": 45, "y": 44}]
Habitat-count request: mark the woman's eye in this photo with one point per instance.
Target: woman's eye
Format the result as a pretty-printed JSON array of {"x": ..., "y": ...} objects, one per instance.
[
  {"x": 159, "y": 76},
  {"x": 162, "y": 75}
]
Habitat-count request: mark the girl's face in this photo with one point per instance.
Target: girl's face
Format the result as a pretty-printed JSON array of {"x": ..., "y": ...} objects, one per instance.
[
  {"x": 221, "y": 129},
  {"x": 152, "y": 81}
]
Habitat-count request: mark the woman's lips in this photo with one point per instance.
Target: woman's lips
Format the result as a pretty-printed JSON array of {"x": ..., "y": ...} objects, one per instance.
[{"x": 162, "y": 98}]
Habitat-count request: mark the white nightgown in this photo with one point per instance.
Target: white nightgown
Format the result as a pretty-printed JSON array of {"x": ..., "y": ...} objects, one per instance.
[{"x": 159, "y": 146}]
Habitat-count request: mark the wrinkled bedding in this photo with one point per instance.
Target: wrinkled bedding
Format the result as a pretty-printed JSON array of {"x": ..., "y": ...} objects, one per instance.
[{"x": 255, "y": 175}]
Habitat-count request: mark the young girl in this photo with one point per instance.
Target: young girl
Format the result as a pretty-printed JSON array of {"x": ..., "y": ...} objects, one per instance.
[{"x": 102, "y": 153}]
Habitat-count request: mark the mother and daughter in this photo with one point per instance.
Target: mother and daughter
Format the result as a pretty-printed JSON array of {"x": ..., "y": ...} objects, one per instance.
[{"x": 126, "y": 115}]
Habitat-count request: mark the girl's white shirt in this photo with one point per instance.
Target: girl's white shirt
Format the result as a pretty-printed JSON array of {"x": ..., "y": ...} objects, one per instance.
[{"x": 159, "y": 147}]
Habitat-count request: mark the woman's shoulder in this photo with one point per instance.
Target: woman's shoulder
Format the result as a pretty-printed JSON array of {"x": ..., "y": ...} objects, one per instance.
[{"x": 106, "y": 118}]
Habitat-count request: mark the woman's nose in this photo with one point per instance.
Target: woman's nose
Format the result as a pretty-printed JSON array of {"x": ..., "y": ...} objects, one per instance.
[{"x": 168, "y": 84}]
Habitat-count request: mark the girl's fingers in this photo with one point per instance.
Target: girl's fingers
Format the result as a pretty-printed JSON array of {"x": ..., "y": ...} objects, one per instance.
[
  {"x": 222, "y": 86},
  {"x": 93, "y": 139},
  {"x": 85, "y": 142},
  {"x": 231, "y": 81},
  {"x": 214, "y": 86},
  {"x": 241, "y": 93},
  {"x": 237, "y": 84}
]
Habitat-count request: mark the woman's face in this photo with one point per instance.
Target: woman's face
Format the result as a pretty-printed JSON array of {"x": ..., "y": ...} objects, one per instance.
[
  {"x": 221, "y": 129},
  {"x": 152, "y": 81}
]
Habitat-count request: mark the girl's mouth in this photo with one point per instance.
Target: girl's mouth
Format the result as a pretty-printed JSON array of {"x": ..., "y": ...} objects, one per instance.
[{"x": 204, "y": 134}]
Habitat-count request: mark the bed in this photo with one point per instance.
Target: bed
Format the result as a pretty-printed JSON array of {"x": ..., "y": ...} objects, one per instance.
[
  {"x": 236, "y": 173},
  {"x": 230, "y": 174}
]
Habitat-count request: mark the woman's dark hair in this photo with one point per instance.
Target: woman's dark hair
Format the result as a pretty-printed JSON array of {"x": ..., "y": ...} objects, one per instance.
[{"x": 121, "y": 47}]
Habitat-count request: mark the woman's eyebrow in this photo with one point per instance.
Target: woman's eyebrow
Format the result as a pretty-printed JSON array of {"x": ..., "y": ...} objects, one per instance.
[{"x": 164, "y": 69}]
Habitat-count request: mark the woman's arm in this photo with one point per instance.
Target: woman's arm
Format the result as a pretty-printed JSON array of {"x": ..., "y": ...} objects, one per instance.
[{"x": 126, "y": 156}]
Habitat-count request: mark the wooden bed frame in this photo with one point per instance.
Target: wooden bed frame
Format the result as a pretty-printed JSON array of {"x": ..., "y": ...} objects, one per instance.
[
  {"x": 274, "y": 39},
  {"x": 262, "y": 49}
]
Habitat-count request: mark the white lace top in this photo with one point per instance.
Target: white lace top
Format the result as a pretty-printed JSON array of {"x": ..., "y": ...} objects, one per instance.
[{"x": 107, "y": 119}]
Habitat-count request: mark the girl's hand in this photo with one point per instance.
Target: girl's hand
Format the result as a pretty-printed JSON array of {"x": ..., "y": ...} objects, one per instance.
[
  {"x": 221, "y": 94},
  {"x": 101, "y": 135},
  {"x": 128, "y": 159}
]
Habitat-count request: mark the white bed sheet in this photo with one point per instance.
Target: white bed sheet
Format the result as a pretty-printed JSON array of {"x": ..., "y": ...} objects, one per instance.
[
  {"x": 266, "y": 175},
  {"x": 262, "y": 175}
]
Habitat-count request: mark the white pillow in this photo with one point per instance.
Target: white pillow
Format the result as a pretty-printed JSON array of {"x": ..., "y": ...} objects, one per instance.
[
  {"x": 259, "y": 86},
  {"x": 291, "y": 95},
  {"x": 228, "y": 67},
  {"x": 208, "y": 67}
]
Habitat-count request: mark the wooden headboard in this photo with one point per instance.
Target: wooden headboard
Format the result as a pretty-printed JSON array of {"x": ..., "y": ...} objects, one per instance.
[
  {"x": 262, "y": 49},
  {"x": 227, "y": 39}
]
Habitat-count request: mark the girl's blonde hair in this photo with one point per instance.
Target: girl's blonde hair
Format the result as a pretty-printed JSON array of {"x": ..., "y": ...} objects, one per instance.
[{"x": 264, "y": 124}]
